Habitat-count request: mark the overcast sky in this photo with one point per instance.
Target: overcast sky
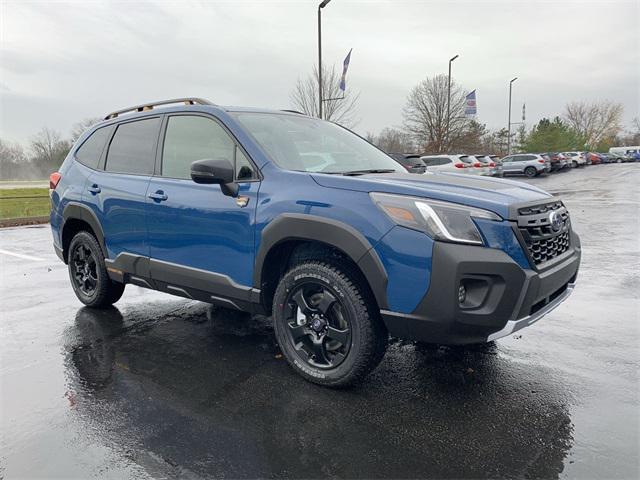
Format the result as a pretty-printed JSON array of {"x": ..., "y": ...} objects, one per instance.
[{"x": 61, "y": 62}]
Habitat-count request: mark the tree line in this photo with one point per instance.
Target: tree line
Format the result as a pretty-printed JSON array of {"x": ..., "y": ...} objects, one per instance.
[
  {"x": 592, "y": 126},
  {"x": 43, "y": 154}
]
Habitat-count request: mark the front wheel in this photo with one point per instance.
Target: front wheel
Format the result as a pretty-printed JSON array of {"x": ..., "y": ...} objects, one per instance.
[
  {"x": 326, "y": 324},
  {"x": 88, "y": 273},
  {"x": 530, "y": 172}
]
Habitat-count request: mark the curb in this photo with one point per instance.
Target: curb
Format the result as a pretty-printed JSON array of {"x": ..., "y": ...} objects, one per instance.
[{"x": 18, "y": 222}]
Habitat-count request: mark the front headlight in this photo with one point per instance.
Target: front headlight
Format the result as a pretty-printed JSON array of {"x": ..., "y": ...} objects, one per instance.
[{"x": 445, "y": 221}]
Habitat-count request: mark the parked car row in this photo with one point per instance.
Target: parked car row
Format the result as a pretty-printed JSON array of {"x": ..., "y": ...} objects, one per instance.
[{"x": 528, "y": 164}]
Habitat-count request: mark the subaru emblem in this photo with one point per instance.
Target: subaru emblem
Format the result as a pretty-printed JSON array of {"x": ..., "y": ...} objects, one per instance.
[{"x": 555, "y": 220}]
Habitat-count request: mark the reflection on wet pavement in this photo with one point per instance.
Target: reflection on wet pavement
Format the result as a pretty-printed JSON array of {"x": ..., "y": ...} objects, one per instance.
[{"x": 212, "y": 396}]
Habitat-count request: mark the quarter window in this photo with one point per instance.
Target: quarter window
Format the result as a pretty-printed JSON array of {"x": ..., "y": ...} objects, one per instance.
[
  {"x": 244, "y": 169},
  {"x": 90, "y": 151},
  {"x": 133, "y": 147}
]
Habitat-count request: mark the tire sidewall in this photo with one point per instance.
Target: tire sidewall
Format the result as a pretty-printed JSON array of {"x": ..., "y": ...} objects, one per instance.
[
  {"x": 528, "y": 170},
  {"x": 86, "y": 239},
  {"x": 296, "y": 277}
]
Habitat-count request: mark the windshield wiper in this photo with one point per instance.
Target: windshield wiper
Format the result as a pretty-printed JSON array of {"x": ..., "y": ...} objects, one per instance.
[{"x": 373, "y": 170}]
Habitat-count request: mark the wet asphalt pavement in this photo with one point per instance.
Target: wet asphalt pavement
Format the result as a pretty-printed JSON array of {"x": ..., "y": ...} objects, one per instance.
[{"x": 166, "y": 387}]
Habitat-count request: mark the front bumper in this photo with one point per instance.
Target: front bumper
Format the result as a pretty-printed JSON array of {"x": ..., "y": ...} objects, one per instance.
[{"x": 501, "y": 296}]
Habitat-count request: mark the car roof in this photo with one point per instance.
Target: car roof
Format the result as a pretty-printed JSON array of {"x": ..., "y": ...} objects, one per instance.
[{"x": 202, "y": 108}]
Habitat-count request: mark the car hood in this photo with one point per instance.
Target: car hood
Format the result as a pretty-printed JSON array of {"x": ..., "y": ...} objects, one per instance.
[{"x": 493, "y": 194}]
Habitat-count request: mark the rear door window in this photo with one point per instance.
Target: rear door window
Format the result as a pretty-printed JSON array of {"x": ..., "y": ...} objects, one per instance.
[
  {"x": 133, "y": 147},
  {"x": 90, "y": 151}
]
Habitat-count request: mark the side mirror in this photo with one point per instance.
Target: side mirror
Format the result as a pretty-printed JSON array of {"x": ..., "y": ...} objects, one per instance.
[{"x": 215, "y": 171}]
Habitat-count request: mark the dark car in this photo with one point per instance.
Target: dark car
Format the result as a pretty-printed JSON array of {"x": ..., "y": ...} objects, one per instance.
[
  {"x": 410, "y": 161},
  {"x": 558, "y": 161},
  {"x": 633, "y": 156}
]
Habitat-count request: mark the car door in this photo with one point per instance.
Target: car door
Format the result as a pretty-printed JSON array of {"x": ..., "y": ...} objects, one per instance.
[
  {"x": 116, "y": 192},
  {"x": 435, "y": 164},
  {"x": 513, "y": 164},
  {"x": 430, "y": 163},
  {"x": 198, "y": 236}
]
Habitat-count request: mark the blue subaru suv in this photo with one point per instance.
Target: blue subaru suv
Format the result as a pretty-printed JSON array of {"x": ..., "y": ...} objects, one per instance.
[{"x": 279, "y": 213}]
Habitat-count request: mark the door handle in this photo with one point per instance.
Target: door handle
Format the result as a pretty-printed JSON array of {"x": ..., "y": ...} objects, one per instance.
[
  {"x": 158, "y": 195},
  {"x": 95, "y": 189}
]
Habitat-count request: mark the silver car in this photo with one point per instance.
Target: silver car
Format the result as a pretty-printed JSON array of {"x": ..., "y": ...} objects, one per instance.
[{"x": 528, "y": 164}]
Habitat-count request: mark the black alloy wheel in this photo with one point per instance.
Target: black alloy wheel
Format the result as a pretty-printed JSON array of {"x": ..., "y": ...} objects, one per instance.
[
  {"x": 318, "y": 325},
  {"x": 88, "y": 272},
  {"x": 84, "y": 269}
]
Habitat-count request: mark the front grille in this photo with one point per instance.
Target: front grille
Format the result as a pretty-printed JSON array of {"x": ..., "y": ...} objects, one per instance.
[
  {"x": 541, "y": 240},
  {"x": 536, "y": 209}
]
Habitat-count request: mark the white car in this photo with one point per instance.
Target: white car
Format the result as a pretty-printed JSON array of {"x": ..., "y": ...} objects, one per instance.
[
  {"x": 494, "y": 164},
  {"x": 576, "y": 159},
  {"x": 446, "y": 163}
]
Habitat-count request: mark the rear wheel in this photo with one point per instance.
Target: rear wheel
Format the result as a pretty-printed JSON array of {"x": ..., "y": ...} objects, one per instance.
[
  {"x": 328, "y": 328},
  {"x": 530, "y": 172},
  {"x": 88, "y": 273}
]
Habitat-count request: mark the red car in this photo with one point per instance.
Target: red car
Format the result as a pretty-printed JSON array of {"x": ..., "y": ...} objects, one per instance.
[{"x": 593, "y": 158}]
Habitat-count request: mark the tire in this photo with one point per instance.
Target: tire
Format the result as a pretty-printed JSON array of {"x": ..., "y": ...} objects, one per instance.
[
  {"x": 327, "y": 325},
  {"x": 88, "y": 273},
  {"x": 574, "y": 164},
  {"x": 530, "y": 172}
]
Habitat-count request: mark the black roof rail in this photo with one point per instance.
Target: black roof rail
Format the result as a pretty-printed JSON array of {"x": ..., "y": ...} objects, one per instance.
[
  {"x": 293, "y": 111},
  {"x": 149, "y": 106}
]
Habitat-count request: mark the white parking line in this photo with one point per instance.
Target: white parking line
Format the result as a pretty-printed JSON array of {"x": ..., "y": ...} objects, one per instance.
[{"x": 23, "y": 256}]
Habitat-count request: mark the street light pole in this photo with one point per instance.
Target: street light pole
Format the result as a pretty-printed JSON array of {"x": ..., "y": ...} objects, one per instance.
[
  {"x": 449, "y": 96},
  {"x": 509, "y": 126},
  {"x": 320, "y": 7}
]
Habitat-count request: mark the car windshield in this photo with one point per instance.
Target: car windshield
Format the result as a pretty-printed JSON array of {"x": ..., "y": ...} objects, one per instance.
[{"x": 301, "y": 143}]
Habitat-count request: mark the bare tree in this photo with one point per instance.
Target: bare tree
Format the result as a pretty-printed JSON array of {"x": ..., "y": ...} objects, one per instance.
[
  {"x": 304, "y": 97},
  {"x": 631, "y": 135},
  {"x": 392, "y": 140},
  {"x": 48, "y": 149},
  {"x": 425, "y": 114},
  {"x": 80, "y": 127},
  {"x": 595, "y": 122},
  {"x": 13, "y": 161},
  {"x": 496, "y": 142},
  {"x": 371, "y": 137}
]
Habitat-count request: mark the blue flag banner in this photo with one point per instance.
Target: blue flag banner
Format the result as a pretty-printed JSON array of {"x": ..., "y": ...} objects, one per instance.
[
  {"x": 470, "y": 107},
  {"x": 345, "y": 66}
]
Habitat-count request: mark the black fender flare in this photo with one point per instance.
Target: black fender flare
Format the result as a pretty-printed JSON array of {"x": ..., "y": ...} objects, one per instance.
[
  {"x": 293, "y": 226},
  {"x": 78, "y": 211}
]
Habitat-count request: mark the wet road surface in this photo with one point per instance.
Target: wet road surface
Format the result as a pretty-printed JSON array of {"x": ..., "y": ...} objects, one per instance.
[{"x": 165, "y": 387}]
